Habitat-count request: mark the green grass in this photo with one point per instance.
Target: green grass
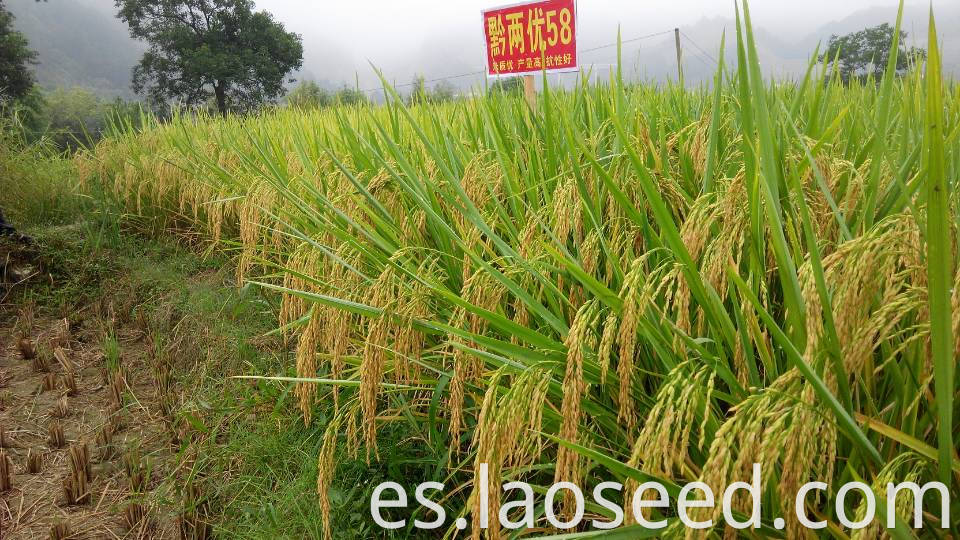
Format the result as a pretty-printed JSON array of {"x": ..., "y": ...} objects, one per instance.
[
  {"x": 258, "y": 458},
  {"x": 38, "y": 182}
]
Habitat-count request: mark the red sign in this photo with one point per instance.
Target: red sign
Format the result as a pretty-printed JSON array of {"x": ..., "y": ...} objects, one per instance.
[{"x": 530, "y": 37}]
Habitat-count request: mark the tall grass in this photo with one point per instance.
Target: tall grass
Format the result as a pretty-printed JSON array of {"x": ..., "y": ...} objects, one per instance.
[
  {"x": 629, "y": 282},
  {"x": 36, "y": 180}
]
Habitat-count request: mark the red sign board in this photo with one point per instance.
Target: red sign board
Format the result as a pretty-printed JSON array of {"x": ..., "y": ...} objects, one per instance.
[{"x": 530, "y": 37}]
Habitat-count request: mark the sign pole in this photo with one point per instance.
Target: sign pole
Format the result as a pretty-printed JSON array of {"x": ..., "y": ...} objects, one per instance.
[
  {"x": 676, "y": 35},
  {"x": 530, "y": 91}
]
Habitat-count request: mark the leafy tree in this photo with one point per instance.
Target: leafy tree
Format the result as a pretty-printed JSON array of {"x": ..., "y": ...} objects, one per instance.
[
  {"x": 210, "y": 49},
  {"x": 74, "y": 117},
  {"x": 350, "y": 96},
  {"x": 444, "y": 91},
  {"x": 420, "y": 95},
  {"x": 16, "y": 79},
  {"x": 865, "y": 53},
  {"x": 309, "y": 95},
  {"x": 508, "y": 85},
  {"x": 67, "y": 119}
]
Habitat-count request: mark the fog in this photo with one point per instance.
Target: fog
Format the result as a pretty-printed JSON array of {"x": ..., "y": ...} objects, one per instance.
[
  {"x": 442, "y": 38},
  {"x": 80, "y": 42}
]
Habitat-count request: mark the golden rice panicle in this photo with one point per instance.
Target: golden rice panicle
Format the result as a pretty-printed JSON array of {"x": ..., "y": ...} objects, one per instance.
[
  {"x": 636, "y": 296},
  {"x": 409, "y": 341},
  {"x": 608, "y": 341},
  {"x": 664, "y": 442},
  {"x": 473, "y": 238},
  {"x": 352, "y": 430},
  {"x": 506, "y": 435},
  {"x": 565, "y": 210},
  {"x": 382, "y": 295},
  {"x": 520, "y": 314},
  {"x": 876, "y": 281},
  {"x": 337, "y": 328},
  {"x": 665, "y": 438},
  {"x": 580, "y": 342},
  {"x": 216, "y": 211},
  {"x": 306, "y": 359},
  {"x": 590, "y": 252},
  {"x": 484, "y": 291},
  {"x": 906, "y": 467},
  {"x": 482, "y": 182},
  {"x": 457, "y": 394},
  {"x": 336, "y": 342},
  {"x": 413, "y": 222},
  {"x": 326, "y": 468},
  {"x": 255, "y": 213},
  {"x": 696, "y": 144},
  {"x": 528, "y": 246},
  {"x": 725, "y": 246},
  {"x": 807, "y": 440},
  {"x": 293, "y": 306},
  {"x": 779, "y": 426},
  {"x": 486, "y": 442}
]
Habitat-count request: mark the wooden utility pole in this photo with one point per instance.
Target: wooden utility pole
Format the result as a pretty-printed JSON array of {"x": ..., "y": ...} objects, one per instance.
[
  {"x": 676, "y": 35},
  {"x": 530, "y": 91}
]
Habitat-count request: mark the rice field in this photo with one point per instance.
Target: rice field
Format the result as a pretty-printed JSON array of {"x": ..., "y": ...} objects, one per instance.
[{"x": 628, "y": 282}]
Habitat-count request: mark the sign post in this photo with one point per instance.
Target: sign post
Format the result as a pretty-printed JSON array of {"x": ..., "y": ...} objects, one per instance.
[
  {"x": 676, "y": 35},
  {"x": 530, "y": 37},
  {"x": 529, "y": 91}
]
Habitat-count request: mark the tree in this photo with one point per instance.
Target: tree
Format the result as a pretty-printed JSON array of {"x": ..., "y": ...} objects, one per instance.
[
  {"x": 444, "y": 91},
  {"x": 309, "y": 95},
  {"x": 218, "y": 50},
  {"x": 350, "y": 96},
  {"x": 507, "y": 85},
  {"x": 421, "y": 95},
  {"x": 16, "y": 79},
  {"x": 865, "y": 53}
]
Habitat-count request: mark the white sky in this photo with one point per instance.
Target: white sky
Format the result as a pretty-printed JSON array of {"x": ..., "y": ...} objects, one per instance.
[
  {"x": 367, "y": 24},
  {"x": 442, "y": 37}
]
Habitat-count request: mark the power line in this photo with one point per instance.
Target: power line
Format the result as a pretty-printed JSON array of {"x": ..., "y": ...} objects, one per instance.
[
  {"x": 699, "y": 48},
  {"x": 622, "y": 41},
  {"x": 699, "y": 57},
  {"x": 475, "y": 73},
  {"x": 438, "y": 79}
]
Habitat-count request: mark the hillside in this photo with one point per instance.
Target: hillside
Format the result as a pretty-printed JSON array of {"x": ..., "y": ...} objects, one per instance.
[
  {"x": 78, "y": 43},
  {"x": 81, "y": 43},
  {"x": 782, "y": 58}
]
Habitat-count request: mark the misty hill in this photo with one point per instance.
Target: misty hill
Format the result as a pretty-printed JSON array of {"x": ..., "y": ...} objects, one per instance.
[
  {"x": 78, "y": 43},
  {"x": 654, "y": 59},
  {"x": 915, "y": 23},
  {"x": 81, "y": 43},
  {"x": 789, "y": 59}
]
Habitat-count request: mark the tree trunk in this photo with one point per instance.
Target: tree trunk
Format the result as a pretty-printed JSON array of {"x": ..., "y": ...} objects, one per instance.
[{"x": 219, "y": 88}]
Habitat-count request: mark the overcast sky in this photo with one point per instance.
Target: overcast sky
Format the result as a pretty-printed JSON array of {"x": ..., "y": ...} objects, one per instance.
[
  {"x": 443, "y": 37},
  {"x": 369, "y": 24}
]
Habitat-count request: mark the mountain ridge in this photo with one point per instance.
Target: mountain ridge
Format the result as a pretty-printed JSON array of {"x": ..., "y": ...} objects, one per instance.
[{"x": 81, "y": 43}]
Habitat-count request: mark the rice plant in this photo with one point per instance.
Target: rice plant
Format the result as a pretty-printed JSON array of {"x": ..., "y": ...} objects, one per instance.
[{"x": 628, "y": 282}]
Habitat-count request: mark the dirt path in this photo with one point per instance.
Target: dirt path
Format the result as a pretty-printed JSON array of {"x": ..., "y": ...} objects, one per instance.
[{"x": 60, "y": 375}]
